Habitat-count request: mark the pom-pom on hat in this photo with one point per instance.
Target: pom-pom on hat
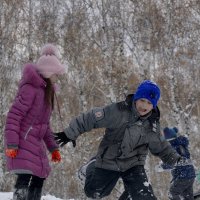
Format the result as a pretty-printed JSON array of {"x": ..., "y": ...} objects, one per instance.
[
  {"x": 148, "y": 90},
  {"x": 170, "y": 133},
  {"x": 49, "y": 64}
]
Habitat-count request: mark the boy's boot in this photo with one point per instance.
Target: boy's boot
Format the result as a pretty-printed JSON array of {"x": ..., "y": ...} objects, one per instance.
[
  {"x": 125, "y": 196},
  {"x": 20, "y": 194},
  {"x": 34, "y": 193},
  {"x": 82, "y": 170}
]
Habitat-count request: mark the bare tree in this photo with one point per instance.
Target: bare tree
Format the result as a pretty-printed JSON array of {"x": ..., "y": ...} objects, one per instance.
[{"x": 108, "y": 46}]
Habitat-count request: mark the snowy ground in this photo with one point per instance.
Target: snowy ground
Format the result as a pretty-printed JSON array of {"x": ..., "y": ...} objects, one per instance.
[{"x": 8, "y": 196}]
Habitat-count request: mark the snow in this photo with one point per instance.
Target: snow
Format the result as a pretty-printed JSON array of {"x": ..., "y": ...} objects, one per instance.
[
  {"x": 8, "y": 196},
  {"x": 147, "y": 184}
]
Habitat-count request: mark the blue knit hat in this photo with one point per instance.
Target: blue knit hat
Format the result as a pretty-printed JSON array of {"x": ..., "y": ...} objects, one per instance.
[
  {"x": 170, "y": 133},
  {"x": 148, "y": 90}
]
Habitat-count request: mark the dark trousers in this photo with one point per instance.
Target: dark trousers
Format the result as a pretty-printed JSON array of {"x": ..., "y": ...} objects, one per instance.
[
  {"x": 181, "y": 189},
  {"x": 100, "y": 182},
  {"x": 28, "y": 180}
]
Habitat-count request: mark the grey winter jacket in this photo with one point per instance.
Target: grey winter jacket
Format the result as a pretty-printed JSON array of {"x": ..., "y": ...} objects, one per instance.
[{"x": 128, "y": 137}]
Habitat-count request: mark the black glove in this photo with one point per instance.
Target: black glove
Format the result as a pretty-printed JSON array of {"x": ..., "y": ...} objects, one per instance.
[{"x": 62, "y": 139}]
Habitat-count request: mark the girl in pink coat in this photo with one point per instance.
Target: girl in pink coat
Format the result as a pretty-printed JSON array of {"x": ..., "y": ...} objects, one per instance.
[{"x": 27, "y": 131}]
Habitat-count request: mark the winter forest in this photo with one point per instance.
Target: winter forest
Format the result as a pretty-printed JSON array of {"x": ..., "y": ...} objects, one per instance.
[{"x": 108, "y": 46}]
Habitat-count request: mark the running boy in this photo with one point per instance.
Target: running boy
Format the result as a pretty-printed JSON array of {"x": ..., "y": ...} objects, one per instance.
[{"x": 132, "y": 128}]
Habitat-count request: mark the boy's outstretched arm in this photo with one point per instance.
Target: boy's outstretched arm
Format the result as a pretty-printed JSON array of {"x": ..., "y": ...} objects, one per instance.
[
  {"x": 162, "y": 148},
  {"x": 95, "y": 118}
]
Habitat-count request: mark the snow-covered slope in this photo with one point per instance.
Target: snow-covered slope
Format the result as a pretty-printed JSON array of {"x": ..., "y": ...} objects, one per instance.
[{"x": 8, "y": 196}]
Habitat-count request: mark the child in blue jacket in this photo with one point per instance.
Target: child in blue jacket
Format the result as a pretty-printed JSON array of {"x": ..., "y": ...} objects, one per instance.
[{"x": 183, "y": 175}]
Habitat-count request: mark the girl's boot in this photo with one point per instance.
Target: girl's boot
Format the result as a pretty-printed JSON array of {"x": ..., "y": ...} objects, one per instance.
[
  {"x": 20, "y": 194},
  {"x": 34, "y": 193}
]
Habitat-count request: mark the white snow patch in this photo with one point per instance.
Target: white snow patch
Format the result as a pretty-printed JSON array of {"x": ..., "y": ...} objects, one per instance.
[
  {"x": 146, "y": 184},
  {"x": 8, "y": 196}
]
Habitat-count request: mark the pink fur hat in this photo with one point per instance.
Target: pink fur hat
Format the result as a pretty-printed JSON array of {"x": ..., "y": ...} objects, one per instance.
[{"x": 49, "y": 64}]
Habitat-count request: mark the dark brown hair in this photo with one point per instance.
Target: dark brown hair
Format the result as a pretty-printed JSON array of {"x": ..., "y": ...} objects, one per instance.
[{"x": 49, "y": 93}]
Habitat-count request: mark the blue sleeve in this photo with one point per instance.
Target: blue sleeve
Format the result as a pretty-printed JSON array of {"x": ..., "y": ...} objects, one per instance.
[
  {"x": 182, "y": 140},
  {"x": 166, "y": 166},
  {"x": 181, "y": 145}
]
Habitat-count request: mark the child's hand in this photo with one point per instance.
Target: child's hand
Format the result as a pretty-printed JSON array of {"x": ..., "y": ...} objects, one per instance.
[
  {"x": 12, "y": 153},
  {"x": 62, "y": 139},
  {"x": 55, "y": 156}
]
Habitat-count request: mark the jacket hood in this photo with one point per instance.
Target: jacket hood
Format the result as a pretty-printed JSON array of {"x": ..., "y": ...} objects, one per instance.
[{"x": 31, "y": 76}]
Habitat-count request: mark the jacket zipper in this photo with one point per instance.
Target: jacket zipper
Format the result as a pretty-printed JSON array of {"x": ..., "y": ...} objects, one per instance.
[{"x": 28, "y": 132}]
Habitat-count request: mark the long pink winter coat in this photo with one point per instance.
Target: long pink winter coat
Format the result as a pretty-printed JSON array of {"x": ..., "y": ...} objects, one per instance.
[{"x": 27, "y": 127}]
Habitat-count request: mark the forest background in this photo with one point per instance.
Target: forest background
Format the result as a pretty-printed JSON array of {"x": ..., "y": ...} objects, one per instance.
[{"x": 108, "y": 46}]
